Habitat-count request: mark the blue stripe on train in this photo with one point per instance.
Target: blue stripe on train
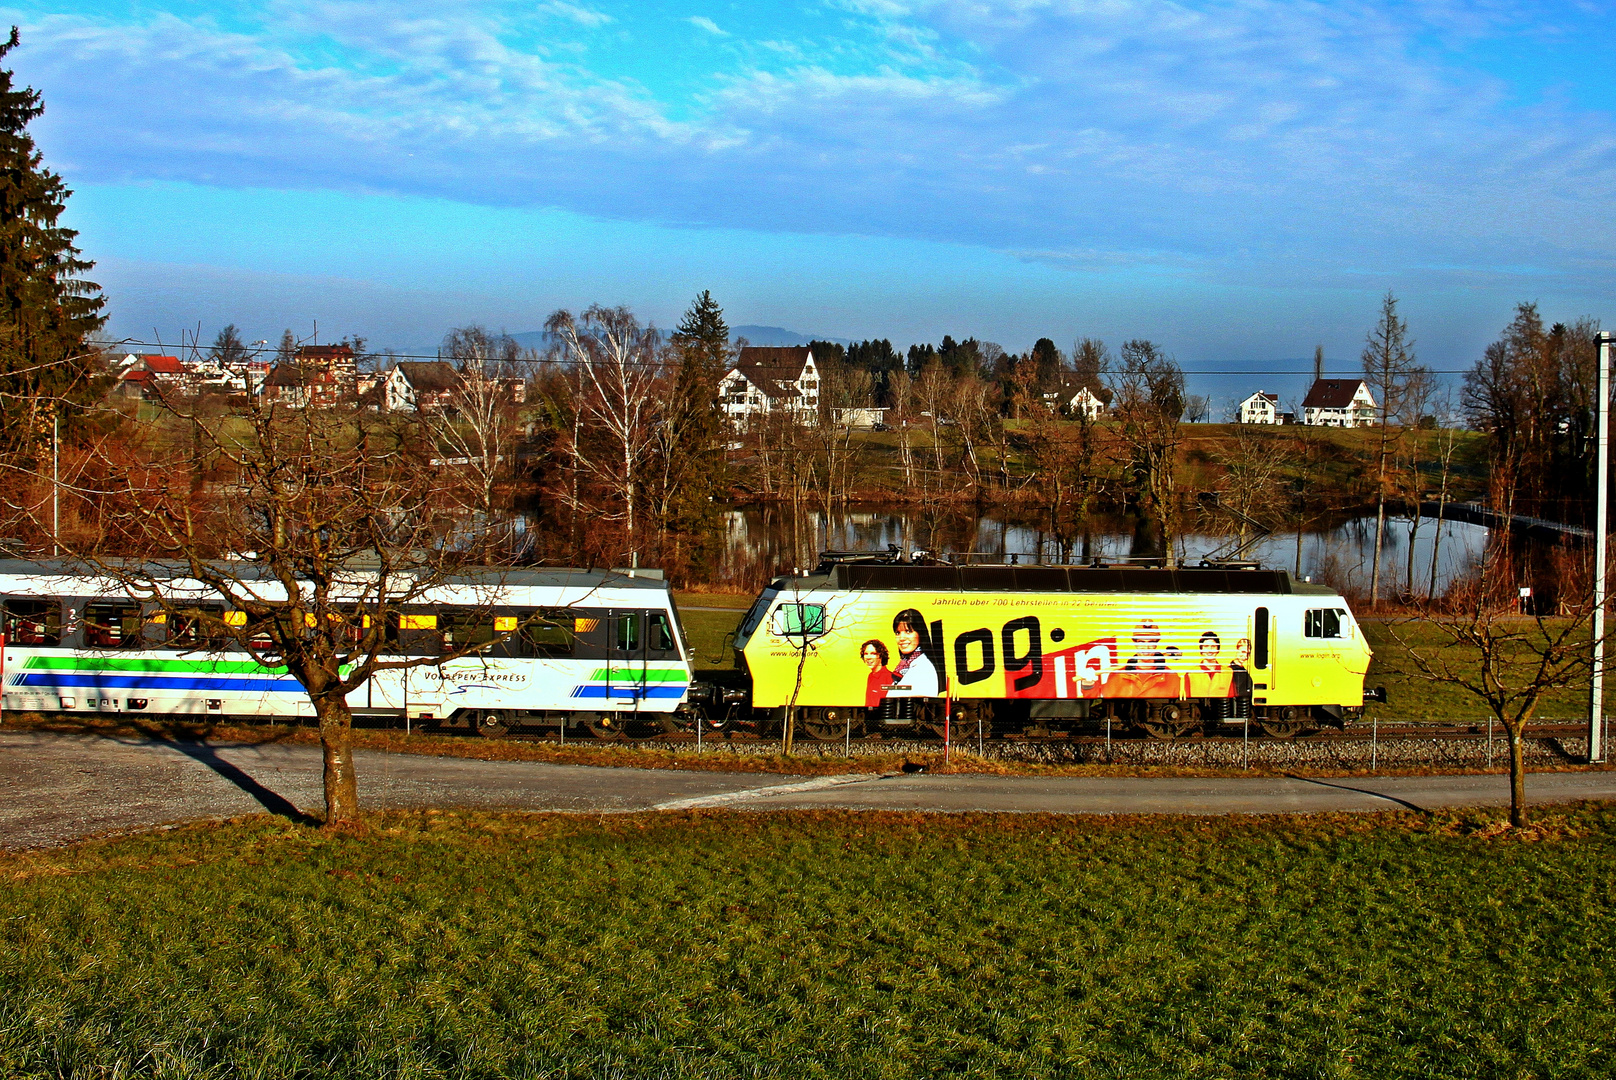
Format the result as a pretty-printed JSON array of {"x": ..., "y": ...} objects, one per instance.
[
  {"x": 95, "y": 681},
  {"x": 628, "y": 692}
]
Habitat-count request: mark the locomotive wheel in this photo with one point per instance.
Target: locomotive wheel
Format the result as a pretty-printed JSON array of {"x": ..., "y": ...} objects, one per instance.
[
  {"x": 828, "y": 725},
  {"x": 606, "y": 728},
  {"x": 492, "y": 724},
  {"x": 1283, "y": 723},
  {"x": 823, "y": 730},
  {"x": 653, "y": 726},
  {"x": 1169, "y": 720}
]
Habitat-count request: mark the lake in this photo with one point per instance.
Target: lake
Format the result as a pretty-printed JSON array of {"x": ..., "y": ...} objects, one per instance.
[{"x": 764, "y": 541}]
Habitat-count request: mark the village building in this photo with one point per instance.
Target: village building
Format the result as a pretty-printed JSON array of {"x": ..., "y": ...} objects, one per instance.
[
  {"x": 768, "y": 380},
  {"x": 1085, "y": 403},
  {"x": 420, "y": 386},
  {"x": 1343, "y": 403},
  {"x": 1261, "y": 408},
  {"x": 333, "y": 366},
  {"x": 147, "y": 376}
]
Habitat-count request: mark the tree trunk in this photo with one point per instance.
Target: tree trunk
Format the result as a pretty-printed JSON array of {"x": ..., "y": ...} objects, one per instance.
[
  {"x": 1380, "y": 535},
  {"x": 1436, "y": 541},
  {"x": 336, "y": 748},
  {"x": 1517, "y": 772}
]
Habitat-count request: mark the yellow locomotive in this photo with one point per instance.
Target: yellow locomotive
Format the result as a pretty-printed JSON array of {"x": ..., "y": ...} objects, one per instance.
[{"x": 871, "y": 643}]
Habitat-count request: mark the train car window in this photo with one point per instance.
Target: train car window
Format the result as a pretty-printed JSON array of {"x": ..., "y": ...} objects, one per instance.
[
  {"x": 418, "y": 633},
  {"x": 1259, "y": 657},
  {"x": 550, "y": 632},
  {"x": 1322, "y": 623},
  {"x": 466, "y": 629},
  {"x": 798, "y": 620},
  {"x": 591, "y": 633},
  {"x": 113, "y": 626},
  {"x": 661, "y": 643},
  {"x": 189, "y": 628},
  {"x": 33, "y": 622},
  {"x": 627, "y": 636}
]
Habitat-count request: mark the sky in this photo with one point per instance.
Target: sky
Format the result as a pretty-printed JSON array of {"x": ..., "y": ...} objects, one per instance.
[{"x": 1238, "y": 180}]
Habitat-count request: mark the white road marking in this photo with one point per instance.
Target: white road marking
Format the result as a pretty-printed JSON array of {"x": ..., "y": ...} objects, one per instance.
[{"x": 817, "y": 784}]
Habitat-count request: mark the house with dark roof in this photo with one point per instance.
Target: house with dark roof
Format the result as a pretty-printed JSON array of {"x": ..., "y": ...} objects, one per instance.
[
  {"x": 1339, "y": 403},
  {"x": 768, "y": 380},
  {"x": 420, "y": 386}
]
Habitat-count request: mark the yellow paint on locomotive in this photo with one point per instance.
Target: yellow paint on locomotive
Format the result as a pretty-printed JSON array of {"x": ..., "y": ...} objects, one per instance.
[{"x": 1055, "y": 646}]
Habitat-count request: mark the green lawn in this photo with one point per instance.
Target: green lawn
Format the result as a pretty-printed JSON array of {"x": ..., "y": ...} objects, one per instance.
[
  {"x": 1415, "y": 697},
  {"x": 816, "y": 945}
]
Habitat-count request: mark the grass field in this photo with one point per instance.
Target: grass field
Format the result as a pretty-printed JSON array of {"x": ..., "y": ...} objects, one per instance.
[{"x": 817, "y": 945}]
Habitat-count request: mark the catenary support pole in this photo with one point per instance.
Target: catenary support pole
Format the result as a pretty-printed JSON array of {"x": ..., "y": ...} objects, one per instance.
[
  {"x": 1596, "y": 697},
  {"x": 56, "y": 487}
]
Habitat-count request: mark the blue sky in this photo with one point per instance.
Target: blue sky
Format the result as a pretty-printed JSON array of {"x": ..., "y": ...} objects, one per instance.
[{"x": 1238, "y": 180}]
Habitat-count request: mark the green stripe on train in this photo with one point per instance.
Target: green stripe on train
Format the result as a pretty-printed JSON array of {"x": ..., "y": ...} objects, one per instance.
[
  {"x": 629, "y": 675},
  {"x": 187, "y": 667}
]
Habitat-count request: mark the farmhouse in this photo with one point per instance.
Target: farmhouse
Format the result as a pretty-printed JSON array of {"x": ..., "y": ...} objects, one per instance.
[
  {"x": 769, "y": 380},
  {"x": 1343, "y": 403},
  {"x": 1260, "y": 408}
]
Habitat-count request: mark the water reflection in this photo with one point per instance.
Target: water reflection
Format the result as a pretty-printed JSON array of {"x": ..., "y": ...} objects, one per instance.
[{"x": 761, "y": 542}]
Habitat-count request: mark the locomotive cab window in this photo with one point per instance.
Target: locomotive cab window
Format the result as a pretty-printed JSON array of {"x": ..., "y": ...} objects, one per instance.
[
  {"x": 662, "y": 644},
  {"x": 798, "y": 620},
  {"x": 1322, "y": 623},
  {"x": 33, "y": 622}
]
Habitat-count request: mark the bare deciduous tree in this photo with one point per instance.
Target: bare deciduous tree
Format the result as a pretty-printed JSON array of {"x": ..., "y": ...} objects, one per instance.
[
  {"x": 1148, "y": 402},
  {"x": 619, "y": 367},
  {"x": 1509, "y": 661},
  {"x": 313, "y": 530}
]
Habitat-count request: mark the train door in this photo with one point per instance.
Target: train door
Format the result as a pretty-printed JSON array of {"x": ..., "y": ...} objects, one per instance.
[
  {"x": 1262, "y": 656},
  {"x": 625, "y": 660}
]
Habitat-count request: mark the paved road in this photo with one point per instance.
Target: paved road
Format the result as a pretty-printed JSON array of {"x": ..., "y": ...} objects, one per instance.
[{"x": 56, "y": 788}]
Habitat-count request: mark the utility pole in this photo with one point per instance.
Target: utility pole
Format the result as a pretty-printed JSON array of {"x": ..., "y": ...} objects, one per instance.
[
  {"x": 56, "y": 487},
  {"x": 1596, "y": 702}
]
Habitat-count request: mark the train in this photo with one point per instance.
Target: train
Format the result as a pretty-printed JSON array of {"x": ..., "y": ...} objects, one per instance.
[
  {"x": 867, "y": 643},
  {"x": 890, "y": 643},
  {"x": 590, "y": 651}
]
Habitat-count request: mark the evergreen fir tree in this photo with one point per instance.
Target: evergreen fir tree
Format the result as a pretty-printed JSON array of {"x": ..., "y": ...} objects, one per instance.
[
  {"x": 47, "y": 310},
  {"x": 696, "y": 426}
]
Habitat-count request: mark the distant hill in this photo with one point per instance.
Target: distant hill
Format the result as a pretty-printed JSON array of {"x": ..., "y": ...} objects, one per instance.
[
  {"x": 776, "y": 335},
  {"x": 755, "y": 335}
]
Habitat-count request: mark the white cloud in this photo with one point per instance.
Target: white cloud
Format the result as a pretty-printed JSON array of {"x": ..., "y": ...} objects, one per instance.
[
  {"x": 581, "y": 15},
  {"x": 1299, "y": 132},
  {"x": 702, "y": 22}
]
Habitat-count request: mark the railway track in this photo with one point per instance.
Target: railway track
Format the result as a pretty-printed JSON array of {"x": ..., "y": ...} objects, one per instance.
[{"x": 1358, "y": 732}]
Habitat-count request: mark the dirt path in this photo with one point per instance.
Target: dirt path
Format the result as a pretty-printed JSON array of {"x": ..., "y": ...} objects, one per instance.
[{"x": 56, "y": 788}]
